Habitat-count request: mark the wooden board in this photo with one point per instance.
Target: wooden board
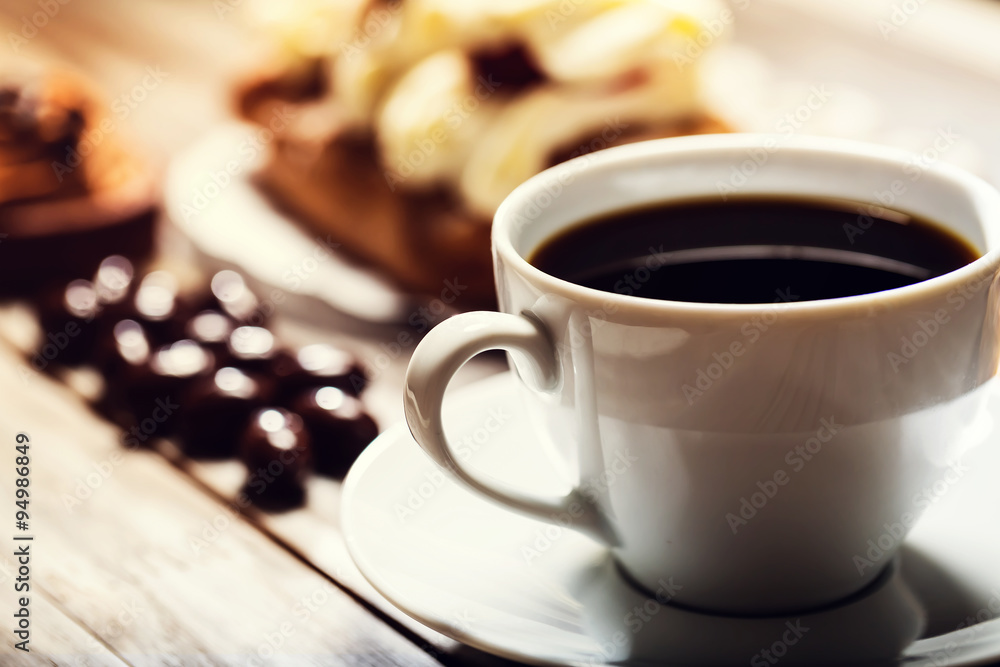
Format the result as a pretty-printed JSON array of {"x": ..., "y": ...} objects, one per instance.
[
  {"x": 55, "y": 637},
  {"x": 152, "y": 566}
]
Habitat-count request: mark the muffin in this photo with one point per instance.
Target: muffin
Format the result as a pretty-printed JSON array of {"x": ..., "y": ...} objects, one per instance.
[
  {"x": 69, "y": 194},
  {"x": 399, "y": 127}
]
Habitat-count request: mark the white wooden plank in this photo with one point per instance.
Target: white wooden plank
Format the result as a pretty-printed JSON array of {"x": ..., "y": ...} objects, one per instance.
[{"x": 154, "y": 567}]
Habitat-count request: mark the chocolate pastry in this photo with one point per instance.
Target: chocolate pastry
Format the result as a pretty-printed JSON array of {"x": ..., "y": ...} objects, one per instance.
[
  {"x": 212, "y": 330},
  {"x": 127, "y": 377},
  {"x": 215, "y": 411},
  {"x": 315, "y": 366},
  {"x": 253, "y": 348},
  {"x": 339, "y": 425},
  {"x": 149, "y": 385},
  {"x": 70, "y": 320},
  {"x": 69, "y": 195},
  {"x": 276, "y": 451}
]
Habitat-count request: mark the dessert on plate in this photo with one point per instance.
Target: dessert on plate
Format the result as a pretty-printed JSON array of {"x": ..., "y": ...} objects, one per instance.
[
  {"x": 69, "y": 193},
  {"x": 404, "y": 124}
]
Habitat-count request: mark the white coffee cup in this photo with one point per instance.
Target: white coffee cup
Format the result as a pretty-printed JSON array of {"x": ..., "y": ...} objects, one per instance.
[{"x": 777, "y": 475}]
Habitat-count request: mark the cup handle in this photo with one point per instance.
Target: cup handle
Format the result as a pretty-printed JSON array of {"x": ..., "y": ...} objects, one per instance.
[{"x": 444, "y": 350}]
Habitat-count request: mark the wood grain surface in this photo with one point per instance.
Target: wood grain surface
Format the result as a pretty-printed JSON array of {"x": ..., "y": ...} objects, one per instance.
[
  {"x": 57, "y": 639},
  {"x": 208, "y": 586},
  {"x": 133, "y": 561},
  {"x": 138, "y": 558}
]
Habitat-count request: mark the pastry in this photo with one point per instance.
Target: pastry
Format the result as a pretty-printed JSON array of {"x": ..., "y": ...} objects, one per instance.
[
  {"x": 69, "y": 194},
  {"x": 399, "y": 127}
]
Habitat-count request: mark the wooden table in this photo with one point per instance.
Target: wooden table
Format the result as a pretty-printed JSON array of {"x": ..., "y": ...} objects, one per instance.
[{"x": 138, "y": 557}]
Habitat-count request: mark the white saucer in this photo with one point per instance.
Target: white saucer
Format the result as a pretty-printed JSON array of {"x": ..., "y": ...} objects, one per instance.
[
  {"x": 210, "y": 196},
  {"x": 536, "y": 593}
]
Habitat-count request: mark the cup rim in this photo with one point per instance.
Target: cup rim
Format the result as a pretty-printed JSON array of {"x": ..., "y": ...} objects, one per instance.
[{"x": 986, "y": 196}]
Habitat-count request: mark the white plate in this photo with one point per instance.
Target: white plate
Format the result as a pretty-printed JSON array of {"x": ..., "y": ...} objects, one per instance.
[
  {"x": 210, "y": 196},
  {"x": 537, "y": 593}
]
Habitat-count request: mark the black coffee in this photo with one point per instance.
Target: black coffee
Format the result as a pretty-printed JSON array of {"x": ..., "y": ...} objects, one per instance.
[{"x": 753, "y": 250}]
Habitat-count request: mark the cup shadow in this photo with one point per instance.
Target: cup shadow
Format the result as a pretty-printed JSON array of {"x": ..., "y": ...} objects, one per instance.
[
  {"x": 914, "y": 597},
  {"x": 949, "y": 604}
]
